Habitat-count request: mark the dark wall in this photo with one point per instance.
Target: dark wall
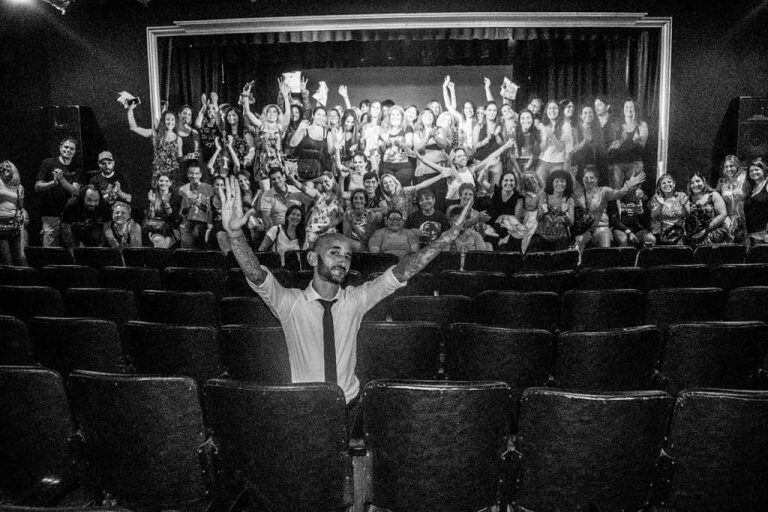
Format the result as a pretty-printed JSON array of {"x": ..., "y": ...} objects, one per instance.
[{"x": 99, "y": 49}]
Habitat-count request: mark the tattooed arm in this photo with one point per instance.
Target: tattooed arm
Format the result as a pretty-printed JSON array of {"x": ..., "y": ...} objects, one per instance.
[
  {"x": 413, "y": 263},
  {"x": 233, "y": 220}
]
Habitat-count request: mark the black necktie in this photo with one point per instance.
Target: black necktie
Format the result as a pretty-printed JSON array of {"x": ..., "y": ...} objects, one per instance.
[{"x": 329, "y": 342}]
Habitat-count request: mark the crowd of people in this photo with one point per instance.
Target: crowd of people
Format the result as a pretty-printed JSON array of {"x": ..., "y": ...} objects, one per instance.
[{"x": 389, "y": 177}]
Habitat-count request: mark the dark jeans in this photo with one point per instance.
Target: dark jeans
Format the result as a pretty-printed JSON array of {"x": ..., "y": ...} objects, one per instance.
[{"x": 10, "y": 248}]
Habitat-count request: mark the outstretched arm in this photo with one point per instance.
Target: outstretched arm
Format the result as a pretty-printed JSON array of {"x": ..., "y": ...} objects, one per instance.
[
  {"x": 414, "y": 262},
  {"x": 233, "y": 219}
]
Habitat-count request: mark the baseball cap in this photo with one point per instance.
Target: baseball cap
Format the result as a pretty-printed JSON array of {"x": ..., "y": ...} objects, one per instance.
[{"x": 105, "y": 155}]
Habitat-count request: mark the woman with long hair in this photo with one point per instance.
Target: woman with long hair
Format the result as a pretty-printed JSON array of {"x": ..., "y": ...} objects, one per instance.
[
  {"x": 190, "y": 138},
  {"x": 326, "y": 211},
  {"x": 466, "y": 120},
  {"x": 13, "y": 216},
  {"x": 208, "y": 124},
  {"x": 242, "y": 139},
  {"x": 295, "y": 117},
  {"x": 487, "y": 139},
  {"x": 625, "y": 153},
  {"x": 756, "y": 202},
  {"x": 555, "y": 142},
  {"x": 359, "y": 222},
  {"x": 429, "y": 142},
  {"x": 162, "y": 217},
  {"x": 594, "y": 201},
  {"x": 555, "y": 214},
  {"x": 506, "y": 212},
  {"x": 371, "y": 129},
  {"x": 669, "y": 210},
  {"x": 588, "y": 143},
  {"x": 165, "y": 141},
  {"x": 310, "y": 143},
  {"x": 288, "y": 237},
  {"x": 397, "y": 197},
  {"x": 706, "y": 218},
  {"x": 395, "y": 138},
  {"x": 347, "y": 143},
  {"x": 527, "y": 142},
  {"x": 732, "y": 187}
]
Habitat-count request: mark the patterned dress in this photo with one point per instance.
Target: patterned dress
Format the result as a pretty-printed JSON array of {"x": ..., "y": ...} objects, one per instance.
[
  {"x": 270, "y": 152},
  {"x": 166, "y": 160}
]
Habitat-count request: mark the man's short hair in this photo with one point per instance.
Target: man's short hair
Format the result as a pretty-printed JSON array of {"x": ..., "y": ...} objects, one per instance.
[
  {"x": 273, "y": 170},
  {"x": 426, "y": 192},
  {"x": 123, "y": 204},
  {"x": 326, "y": 238},
  {"x": 69, "y": 138},
  {"x": 466, "y": 186},
  {"x": 370, "y": 175}
]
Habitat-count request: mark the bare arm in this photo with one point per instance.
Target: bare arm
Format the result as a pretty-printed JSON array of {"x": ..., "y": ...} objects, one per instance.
[
  {"x": 233, "y": 220},
  {"x": 201, "y": 113},
  {"x": 487, "y": 85},
  {"x": 135, "y": 128},
  {"x": 415, "y": 262},
  {"x": 345, "y": 96}
]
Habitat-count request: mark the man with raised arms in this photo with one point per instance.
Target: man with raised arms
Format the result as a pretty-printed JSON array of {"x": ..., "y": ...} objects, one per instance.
[{"x": 321, "y": 322}]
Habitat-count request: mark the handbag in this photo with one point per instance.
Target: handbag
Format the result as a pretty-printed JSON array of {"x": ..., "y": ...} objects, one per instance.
[
  {"x": 9, "y": 224},
  {"x": 155, "y": 225}
]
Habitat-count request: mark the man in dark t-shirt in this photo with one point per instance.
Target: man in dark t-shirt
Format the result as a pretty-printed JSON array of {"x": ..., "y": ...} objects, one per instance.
[
  {"x": 83, "y": 219},
  {"x": 57, "y": 181},
  {"x": 110, "y": 183},
  {"x": 430, "y": 222}
]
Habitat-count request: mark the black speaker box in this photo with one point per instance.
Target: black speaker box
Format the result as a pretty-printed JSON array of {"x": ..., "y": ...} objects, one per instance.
[{"x": 753, "y": 128}]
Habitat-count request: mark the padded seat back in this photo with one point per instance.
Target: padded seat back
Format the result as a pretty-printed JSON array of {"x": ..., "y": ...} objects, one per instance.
[
  {"x": 672, "y": 305},
  {"x": 113, "y": 304},
  {"x": 149, "y": 257},
  {"x": 664, "y": 255},
  {"x": 435, "y": 446},
  {"x": 37, "y": 257},
  {"x": 257, "y": 354},
  {"x": 183, "y": 308},
  {"x": 582, "y": 450},
  {"x": 136, "y": 279},
  {"x": 611, "y": 278},
  {"x": 14, "y": 342},
  {"x": 284, "y": 445},
  {"x": 598, "y": 310},
  {"x": 519, "y": 310},
  {"x": 98, "y": 257},
  {"x": 604, "y": 257},
  {"x": 62, "y": 277},
  {"x": 24, "y": 302},
  {"x": 443, "y": 310}
]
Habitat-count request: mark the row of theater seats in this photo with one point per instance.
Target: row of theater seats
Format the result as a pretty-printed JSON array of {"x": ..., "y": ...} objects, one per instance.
[
  {"x": 580, "y": 310},
  {"x": 231, "y": 282},
  {"x": 366, "y": 263},
  {"x": 703, "y": 354},
  {"x": 158, "y": 443}
]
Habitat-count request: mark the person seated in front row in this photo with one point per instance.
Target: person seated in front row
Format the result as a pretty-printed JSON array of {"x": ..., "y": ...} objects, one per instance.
[
  {"x": 428, "y": 222},
  {"x": 122, "y": 231},
  {"x": 393, "y": 238},
  {"x": 195, "y": 201},
  {"x": 468, "y": 239},
  {"x": 83, "y": 219}
]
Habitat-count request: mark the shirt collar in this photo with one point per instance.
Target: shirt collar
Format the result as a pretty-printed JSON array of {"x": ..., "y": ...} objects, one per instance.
[{"x": 310, "y": 294}]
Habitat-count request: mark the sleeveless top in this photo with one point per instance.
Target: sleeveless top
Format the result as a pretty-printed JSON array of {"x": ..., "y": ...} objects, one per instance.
[
  {"x": 393, "y": 150},
  {"x": 489, "y": 148},
  {"x": 456, "y": 182},
  {"x": 166, "y": 160},
  {"x": 553, "y": 226}
]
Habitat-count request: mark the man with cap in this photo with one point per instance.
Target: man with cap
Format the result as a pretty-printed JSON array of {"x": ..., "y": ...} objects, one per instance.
[{"x": 110, "y": 183}]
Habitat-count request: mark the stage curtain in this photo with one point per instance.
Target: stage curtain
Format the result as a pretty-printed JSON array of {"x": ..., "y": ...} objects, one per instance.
[{"x": 547, "y": 63}]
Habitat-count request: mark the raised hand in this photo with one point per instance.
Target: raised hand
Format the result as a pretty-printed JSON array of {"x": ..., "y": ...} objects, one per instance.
[
  {"x": 343, "y": 91},
  {"x": 151, "y": 196},
  {"x": 304, "y": 82},
  {"x": 232, "y": 217},
  {"x": 214, "y": 99},
  {"x": 636, "y": 180},
  {"x": 451, "y": 86},
  {"x": 487, "y": 82},
  {"x": 247, "y": 88},
  {"x": 217, "y": 142},
  {"x": 285, "y": 89},
  {"x": 204, "y": 100},
  {"x": 230, "y": 141},
  {"x": 465, "y": 214},
  {"x": 304, "y": 124},
  {"x": 447, "y": 80}
]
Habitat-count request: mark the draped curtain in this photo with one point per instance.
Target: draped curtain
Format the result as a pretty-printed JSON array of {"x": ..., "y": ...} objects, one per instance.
[{"x": 574, "y": 63}]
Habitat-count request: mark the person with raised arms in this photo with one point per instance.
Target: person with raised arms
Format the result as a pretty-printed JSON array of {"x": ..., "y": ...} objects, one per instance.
[{"x": 321, "y": 322}]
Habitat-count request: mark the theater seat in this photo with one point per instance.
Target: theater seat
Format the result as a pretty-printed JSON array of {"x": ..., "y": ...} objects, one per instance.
[
  {"x": 720, "y": 254},
  {"x": 195, "y": 258},
  {"x": 197, "y": 279},
  {"x": 519, "y": 310},
  {"x": 67, "y": 344},
  {"x": 250, "y": 311},
  {"x": 471, "y": 284},
  {"x": 604, "y": 257},
  {"x": 677, "y": 276},
  {"x": 664, "y": 255},
  {"x": 757, "y": 254},
  {"x": 369, "y": 262},
  {"x": 612, "y": 360},
  {"x": 714, "y": 354},
  {"x": 173, "y": 350},
  {"x": 429, "y": 449},
  {"x": 443, "y": 310},
  {"x": 445, "y": 260},
  {"x": 24, "y": 302},
  {"x": 62, "y": 277},
  {"x": 748, "y": 303},
  {"x": 135, "y": 279},
  {"x": 548, "y": 261},
  {"x": 612, "y": 277},
  {"x": 113, "y": 304},
  {"x": 598, "y": 310},
  {"x": 15, "y": 348},
  {"x": 143, "y": 440},
  {"x": 19, "y": 276},
  {"x": 149, "y": 257},
  {"x": 296, "y": 260},
  {"x": 739, "y": 275},
  {"x": 35, "y": 425},
  {"x": 719, "y": 451},
  {"x": 257, "y": 354},
  {"x": 557, "y": 281},
  {"x": 506, "y": 262},
  {"x": 672, "y": 305},
  {"x": 290, "y": 439},
  {"x": 184, "y": 308},
  {"x": 398, "y": 350},
  {"x": 589, "y": 451},
  {"x": 37, "y": 257},
  {"x": 98, "y": 257}
]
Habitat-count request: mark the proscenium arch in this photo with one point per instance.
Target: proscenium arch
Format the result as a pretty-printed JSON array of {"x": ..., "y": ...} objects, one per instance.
[{"x": 430, "y": 21}]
